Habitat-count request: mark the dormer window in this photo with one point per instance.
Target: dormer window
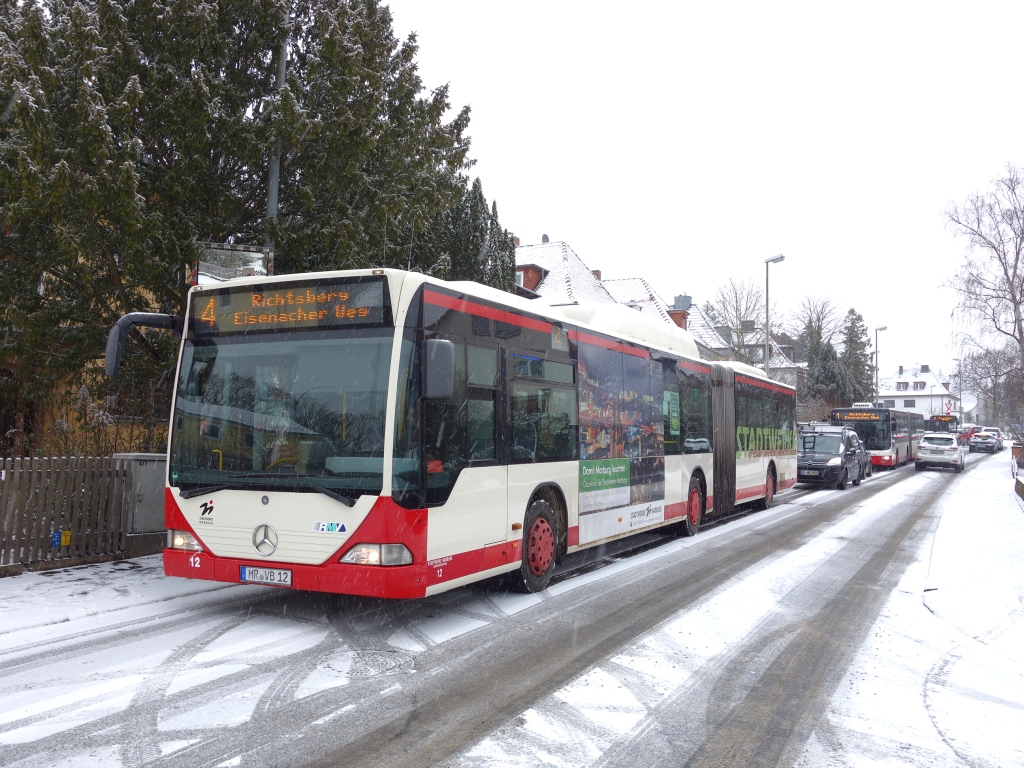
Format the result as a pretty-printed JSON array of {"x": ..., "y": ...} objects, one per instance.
[
  {"x": 919, "y": 386},
  {"x": 901, "y": 386},
  {"x": 519, "y": 279}
]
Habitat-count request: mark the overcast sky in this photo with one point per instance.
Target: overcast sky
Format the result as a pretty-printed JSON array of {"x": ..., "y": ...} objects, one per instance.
[{"x": 688, "y": 142}]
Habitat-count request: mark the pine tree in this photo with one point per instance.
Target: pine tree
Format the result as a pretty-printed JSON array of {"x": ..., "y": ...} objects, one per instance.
[
  {"x": 467, "y": 242},
  {"x": 827, "y": 381},
  {"x": 856, "y": 357},
  {"x": 130, "y": 131}
]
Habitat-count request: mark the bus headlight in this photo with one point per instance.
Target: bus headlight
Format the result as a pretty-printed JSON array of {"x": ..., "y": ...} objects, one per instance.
[
  {"x": 378, "y": 554},
  {"x": 835, "y": 462},
  {"x": 183, "y": 540}
]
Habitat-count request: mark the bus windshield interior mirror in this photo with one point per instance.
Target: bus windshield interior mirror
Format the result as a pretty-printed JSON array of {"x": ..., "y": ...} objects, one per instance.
[
  {"x": 438, "y": 369},
  {"x": 119, "y": 335}
]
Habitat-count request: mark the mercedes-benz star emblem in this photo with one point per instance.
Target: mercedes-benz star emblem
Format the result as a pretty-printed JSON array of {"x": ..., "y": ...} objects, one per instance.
[{"x": 264, "y": 539}]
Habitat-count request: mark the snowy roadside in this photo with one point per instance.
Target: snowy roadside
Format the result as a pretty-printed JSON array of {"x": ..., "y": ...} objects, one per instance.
[
  {"x": 46, "y": 606},
  {"x": 940, "y": 680}
]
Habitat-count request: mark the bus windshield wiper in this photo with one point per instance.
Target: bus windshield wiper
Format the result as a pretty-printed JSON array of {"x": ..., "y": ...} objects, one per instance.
[
  {"x": 348, "y": 501},
  {"x": 202, "y": 490}
]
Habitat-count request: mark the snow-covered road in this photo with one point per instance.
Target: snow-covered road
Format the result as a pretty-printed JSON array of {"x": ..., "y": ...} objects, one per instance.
[{"x": 894, "y": 608}]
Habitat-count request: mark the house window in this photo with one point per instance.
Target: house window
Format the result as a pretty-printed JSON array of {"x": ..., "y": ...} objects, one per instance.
[
  {"x": 889, "y": 404},
  {"x": 901, "y": 386},
  {"x": 919, "y": 386},
  {"x": 519, "y": 279},
  {"x": 908, "y": 404}
]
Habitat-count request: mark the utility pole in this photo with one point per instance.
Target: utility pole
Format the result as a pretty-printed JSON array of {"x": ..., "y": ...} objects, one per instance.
[
  {"x": 767, "y": 338},
  {"x": 274, "y": 172}
]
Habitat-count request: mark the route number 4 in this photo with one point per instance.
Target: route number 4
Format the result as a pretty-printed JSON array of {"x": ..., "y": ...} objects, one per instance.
[{"x": 193, "y": 560}]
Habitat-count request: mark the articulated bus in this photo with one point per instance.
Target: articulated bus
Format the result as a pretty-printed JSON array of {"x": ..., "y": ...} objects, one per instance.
[
  {"x": 890, "y": 436},
  {"x": 942, "y": 423},
  {"x": 384, "y": 433}
]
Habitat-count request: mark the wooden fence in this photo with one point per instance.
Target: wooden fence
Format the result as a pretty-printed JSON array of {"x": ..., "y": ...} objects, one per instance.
[{"x": 62, "y": 509}]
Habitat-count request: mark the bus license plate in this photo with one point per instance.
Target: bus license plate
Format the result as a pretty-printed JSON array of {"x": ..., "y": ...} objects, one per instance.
[
  {"x": 813, "y": 472},
  {"x": 278, "y": 576}
]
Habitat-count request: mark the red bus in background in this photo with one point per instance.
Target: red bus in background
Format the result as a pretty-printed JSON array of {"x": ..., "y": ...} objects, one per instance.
[{"x": 890, "y": 436}]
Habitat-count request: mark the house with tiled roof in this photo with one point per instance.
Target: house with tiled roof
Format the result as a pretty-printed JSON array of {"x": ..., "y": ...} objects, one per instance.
[
  {"x": 555, "y": 274},
  {"x": 638, "y": 293}
]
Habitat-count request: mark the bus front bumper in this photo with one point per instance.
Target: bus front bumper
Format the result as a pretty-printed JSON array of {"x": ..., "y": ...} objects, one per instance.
[{"x": 340, "y": 578}]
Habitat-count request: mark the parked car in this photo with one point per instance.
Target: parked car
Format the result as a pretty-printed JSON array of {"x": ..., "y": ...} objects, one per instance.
[
  {"x": 987, "y": 439},
  {"x": 830, "y": 456},
  {"x": 940, "y": 449}
]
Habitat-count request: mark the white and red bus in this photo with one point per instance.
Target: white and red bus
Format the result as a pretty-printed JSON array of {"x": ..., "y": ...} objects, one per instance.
[
  {"x": 383, "y": 433},
  {"x": 889, "y": 436}
]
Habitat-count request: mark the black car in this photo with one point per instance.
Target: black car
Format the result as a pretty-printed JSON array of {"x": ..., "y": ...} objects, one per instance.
[{"x": 830, "y": 456}]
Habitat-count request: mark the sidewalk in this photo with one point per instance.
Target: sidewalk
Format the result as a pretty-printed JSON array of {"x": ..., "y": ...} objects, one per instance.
[{"x": 940, "y": 680}]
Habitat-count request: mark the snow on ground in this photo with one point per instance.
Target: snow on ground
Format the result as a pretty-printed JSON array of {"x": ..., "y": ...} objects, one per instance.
[
  {"x": 940, "y": 680},
  {"x": 580, "y": 722}
]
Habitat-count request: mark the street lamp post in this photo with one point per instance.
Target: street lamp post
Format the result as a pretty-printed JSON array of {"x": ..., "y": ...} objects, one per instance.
[
  {"x": 879, "y": 328},
  {"x": 767, "y": 348},
  {"x": 960, "y": 388}
]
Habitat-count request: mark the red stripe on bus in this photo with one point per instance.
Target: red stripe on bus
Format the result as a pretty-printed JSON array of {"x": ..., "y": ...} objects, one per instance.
[
  {"x": 688, "y": 366},
  {"x": 614, "y": 346},
  {"x": 675, "y": 510},
  {"x": 765, "y": 385},
  {"x": 573, "y": 537},
  {"x": 528, "y": 322},
  {"x": 784, "y": 484},
  {"x": 480, "y": 310},
  {"x": 462, "y": 305},
  {"x": 749, "y": 493}
]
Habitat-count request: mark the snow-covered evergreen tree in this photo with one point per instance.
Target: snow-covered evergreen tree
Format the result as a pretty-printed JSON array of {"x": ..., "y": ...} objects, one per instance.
[{"x": 131, "y": 130}]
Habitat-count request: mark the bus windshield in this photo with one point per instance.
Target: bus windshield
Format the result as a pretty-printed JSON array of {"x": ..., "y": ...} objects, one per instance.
[
  {"x": 299, "y": 411},
  {"x": 874, "y": 434}
]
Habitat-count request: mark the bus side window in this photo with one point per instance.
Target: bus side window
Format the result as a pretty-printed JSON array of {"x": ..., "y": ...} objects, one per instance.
[
  {"x": 446, "y": 426},
  {"x": 482, "y": 383},
  {"x": 670, "y": 410}
]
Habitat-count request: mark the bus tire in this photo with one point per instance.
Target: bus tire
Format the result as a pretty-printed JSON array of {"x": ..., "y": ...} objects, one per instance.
[
  {"x": 694, "y": 509},
  {"x": 770, "y": 487},
  {"x": 538, "y": 549},
  {"x": 841, "y": 482}
]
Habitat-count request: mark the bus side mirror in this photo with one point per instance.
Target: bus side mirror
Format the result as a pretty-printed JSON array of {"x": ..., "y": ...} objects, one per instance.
[
  {"x": 438, "y": 369},
  {"x": 119, "y": 335}
]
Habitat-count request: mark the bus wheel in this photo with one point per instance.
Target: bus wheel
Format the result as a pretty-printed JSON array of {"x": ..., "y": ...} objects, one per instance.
[
  {"x": 769, "y": 491},
  {"x": 538, "y": 549},
  {"x": 694, "y": 509}
]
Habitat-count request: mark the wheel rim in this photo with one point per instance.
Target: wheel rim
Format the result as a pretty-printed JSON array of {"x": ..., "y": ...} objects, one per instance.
[
  {"x": 769, "y": 488},
  {"x": 694, "y": 506},
  {"x": 540, "y": 546}
]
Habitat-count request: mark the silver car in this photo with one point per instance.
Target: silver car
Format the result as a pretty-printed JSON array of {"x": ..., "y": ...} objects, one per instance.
[
  {"x": 939, "y": 449},
  {"x": 988, "y": 439}
]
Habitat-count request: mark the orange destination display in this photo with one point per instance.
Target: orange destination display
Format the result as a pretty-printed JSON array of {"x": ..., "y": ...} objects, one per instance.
[{"x": 287, "y": 306}]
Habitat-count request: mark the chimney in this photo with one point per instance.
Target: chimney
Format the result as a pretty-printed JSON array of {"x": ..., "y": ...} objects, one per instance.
[
  {"x": 925, "y": 369},
  {"x": 515, "y": 240},
  {"x": 679, "y": 317},
  {"x": 596, "y": 273},
  {"x": 901, "y": 370},
  {"x": 544, "y": 239},
  {"x": 682, "y": 302}
]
